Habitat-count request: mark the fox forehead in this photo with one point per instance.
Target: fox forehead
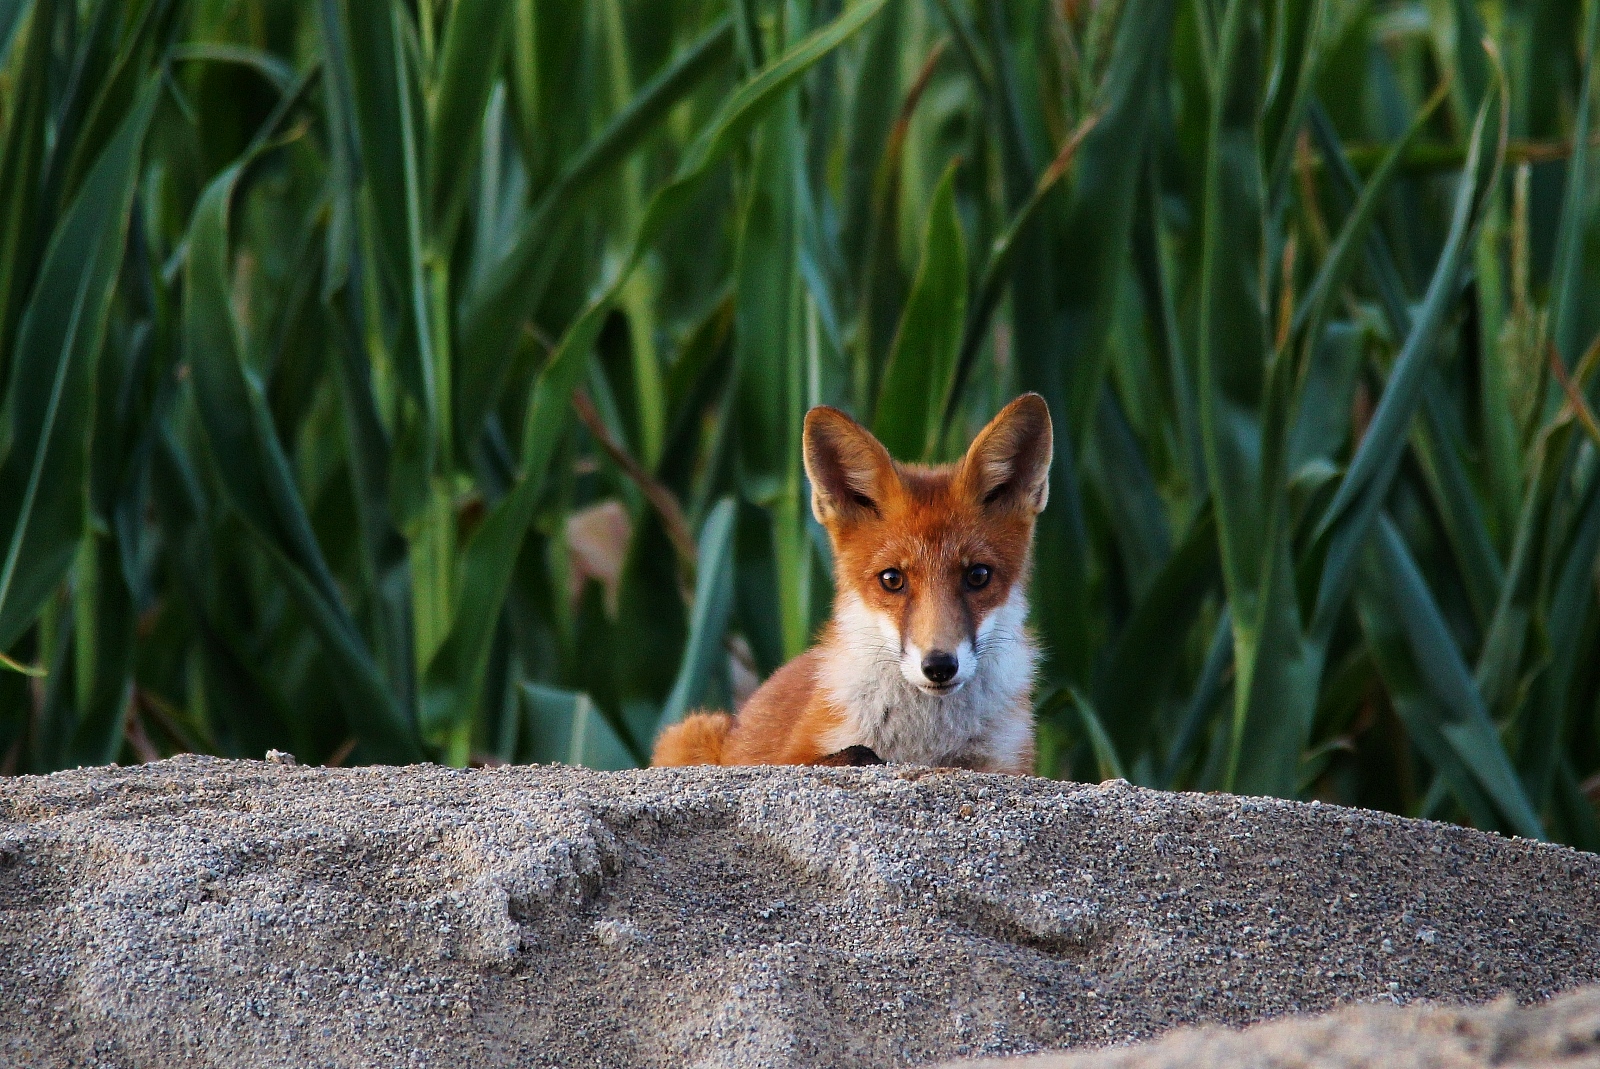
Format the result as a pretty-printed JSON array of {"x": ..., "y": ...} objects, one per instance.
[{"x": 928, "y": 527}]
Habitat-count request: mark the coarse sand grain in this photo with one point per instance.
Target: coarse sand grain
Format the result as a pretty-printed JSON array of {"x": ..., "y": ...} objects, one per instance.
[{"x": 201, "y": 912}]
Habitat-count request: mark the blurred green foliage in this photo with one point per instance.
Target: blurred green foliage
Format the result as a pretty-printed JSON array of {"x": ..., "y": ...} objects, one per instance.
[{"x": 389, "y": 380}]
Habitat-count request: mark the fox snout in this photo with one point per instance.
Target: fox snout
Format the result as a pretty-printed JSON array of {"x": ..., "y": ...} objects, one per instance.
[
  {"x": 936, "y": 649},
  {"x": 938, "y": 671},
  {"x": 940, "y": 668}
]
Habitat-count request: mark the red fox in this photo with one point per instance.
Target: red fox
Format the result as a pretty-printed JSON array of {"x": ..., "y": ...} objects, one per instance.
[{"x": 927, "y": 659}]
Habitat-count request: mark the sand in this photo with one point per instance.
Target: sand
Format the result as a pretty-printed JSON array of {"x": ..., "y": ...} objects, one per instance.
[
  {"x": 199, "y": 912},
  {"x": 1561, "y": 1034}
]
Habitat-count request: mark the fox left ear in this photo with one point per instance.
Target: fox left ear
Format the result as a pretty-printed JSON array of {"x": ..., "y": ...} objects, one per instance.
[{"x": 1008, "y": 463}]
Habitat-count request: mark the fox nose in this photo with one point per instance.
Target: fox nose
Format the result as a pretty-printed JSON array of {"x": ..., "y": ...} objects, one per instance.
[{"x": 940, "y": 668}]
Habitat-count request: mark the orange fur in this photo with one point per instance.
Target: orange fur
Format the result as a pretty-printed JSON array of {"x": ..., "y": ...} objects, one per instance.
[
  {"x": 860, "y": 685},
  {"x": 696, "y": 740}
]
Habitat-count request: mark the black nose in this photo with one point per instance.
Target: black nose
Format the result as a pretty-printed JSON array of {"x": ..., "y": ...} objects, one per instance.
[{"x": 940, "y": 668}]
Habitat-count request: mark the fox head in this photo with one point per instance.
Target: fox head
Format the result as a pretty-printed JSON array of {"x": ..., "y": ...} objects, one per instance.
[{"x": 932, "y": 561}]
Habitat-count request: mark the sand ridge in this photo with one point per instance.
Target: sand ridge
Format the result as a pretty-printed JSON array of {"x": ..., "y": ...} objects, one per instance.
[
  {"x": 1563, "y": 1033},
  {"x": 201, "y": 912}
]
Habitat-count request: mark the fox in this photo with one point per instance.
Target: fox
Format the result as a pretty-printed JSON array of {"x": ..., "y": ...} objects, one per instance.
[{"x": 927, "y": 658}]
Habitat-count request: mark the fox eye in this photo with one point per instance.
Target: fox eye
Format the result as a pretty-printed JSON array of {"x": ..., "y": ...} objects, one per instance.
[
  {"x": 977, "y": 577},
  {"x": 893, "y": 580}
]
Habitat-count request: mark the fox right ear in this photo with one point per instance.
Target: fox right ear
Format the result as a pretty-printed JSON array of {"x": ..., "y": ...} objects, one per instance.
[{"x": 851, "y": 472}]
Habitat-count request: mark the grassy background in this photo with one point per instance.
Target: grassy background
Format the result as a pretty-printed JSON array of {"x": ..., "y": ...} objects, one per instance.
[{"x": 387, "y": 381}]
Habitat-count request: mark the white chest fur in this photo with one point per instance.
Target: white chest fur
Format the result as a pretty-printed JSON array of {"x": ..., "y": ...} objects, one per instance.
[{"x": 987, "y": 722}]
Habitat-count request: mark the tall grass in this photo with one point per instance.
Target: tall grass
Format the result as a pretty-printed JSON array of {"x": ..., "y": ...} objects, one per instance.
[{"x": 387, "y": 381}]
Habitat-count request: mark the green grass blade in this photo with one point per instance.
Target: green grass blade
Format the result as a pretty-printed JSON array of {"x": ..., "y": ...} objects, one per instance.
[
  {"x": 699, "y": 375},
  {"x": 493, "y": 312},
  {"x": 1441, "y": 688},
  {"x": 766, "y": 329},
  {"x": 747, "y": 27},
  {"x": 1297, "y": 57},
  {"x": 1208, "y": 694},
  {"x": 1471, "y": 65},
  {"x": 1018, "y": 149},
  {"x": 104, "y": 621},
  {"x": 1465, "y": 522},
  {"x": 257, "y": 478},
  {"x": 11, "y": 16},
  {"x": 1348, "y": 518},
  {"x": 347, "y": 265},
  {"x": 1150, "y": 646},
  {"x": 42, "y": 480},
  {"x": 118, "y": 88},
  {"x": 1568, "y": 604},
  {"x": 52, "y": 723},
  {"x": 1353, "y": 233},
  {"x": 1120, "y": 471},
  {"x": 1565, "y": 272},
  {"x": 1171, "y": 369},
  {"x": 751, "y": 101},
  {"x": 967, "y": 44},
  {"x": 242, "y": 702},
  {"x": 1380, "y": 261},
  {"x": 86, "y": 52},
  {"x": 22, "y": 142},
  {"x": 1105, "y": 754},
  {"x": 1095, "y": 235},
  {"x": 566, "y": 728},
  {"x": 452, "y": 685},
  {"x": 999, "y": 272},
  {"x": 368, "y": 449},
  {"x": 1277, "y": 669},
  {"x": 361, "y": 44},
  {"x": 921, "y": 367},
  {"x": 428, "y": 347},
  {"x": 1107, "y": 763},
  {"x": 271, "y": 67},
  {"x": 629, "y": 127},
  {"x": 1466, "y": 526},
  {"x": 474, "y": 34},
  {"x": 708, "y": 623},
  {"x": 872, "y": 117},
  {"x": 882, "y": 282},
  {"x": 1577, "y": 810},
  {"x": 769, "y": 361},
  {"x": 1507, "y": 634}
]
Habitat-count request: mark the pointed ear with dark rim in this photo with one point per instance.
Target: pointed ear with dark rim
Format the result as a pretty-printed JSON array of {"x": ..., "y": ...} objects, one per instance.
[
  {"x": 1008, "y": 464},
  {"x": 851, "y": 472}
]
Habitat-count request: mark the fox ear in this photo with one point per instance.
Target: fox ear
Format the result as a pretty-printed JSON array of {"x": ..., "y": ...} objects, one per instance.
[
  {"x": 1008, "y": 464},
  {"x": 850, "y": 470}
]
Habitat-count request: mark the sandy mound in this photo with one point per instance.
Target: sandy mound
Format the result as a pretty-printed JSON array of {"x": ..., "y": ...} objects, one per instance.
[
  {"x": 204, "y": 912},
  {"x": 1562, "y": 1034}
]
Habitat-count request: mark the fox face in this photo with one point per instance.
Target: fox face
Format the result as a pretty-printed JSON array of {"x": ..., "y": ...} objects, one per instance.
[{"x": 929, "y": 646}]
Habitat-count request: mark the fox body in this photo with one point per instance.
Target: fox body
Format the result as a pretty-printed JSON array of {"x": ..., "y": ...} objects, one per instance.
[{"x": 927, "y": 659}]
